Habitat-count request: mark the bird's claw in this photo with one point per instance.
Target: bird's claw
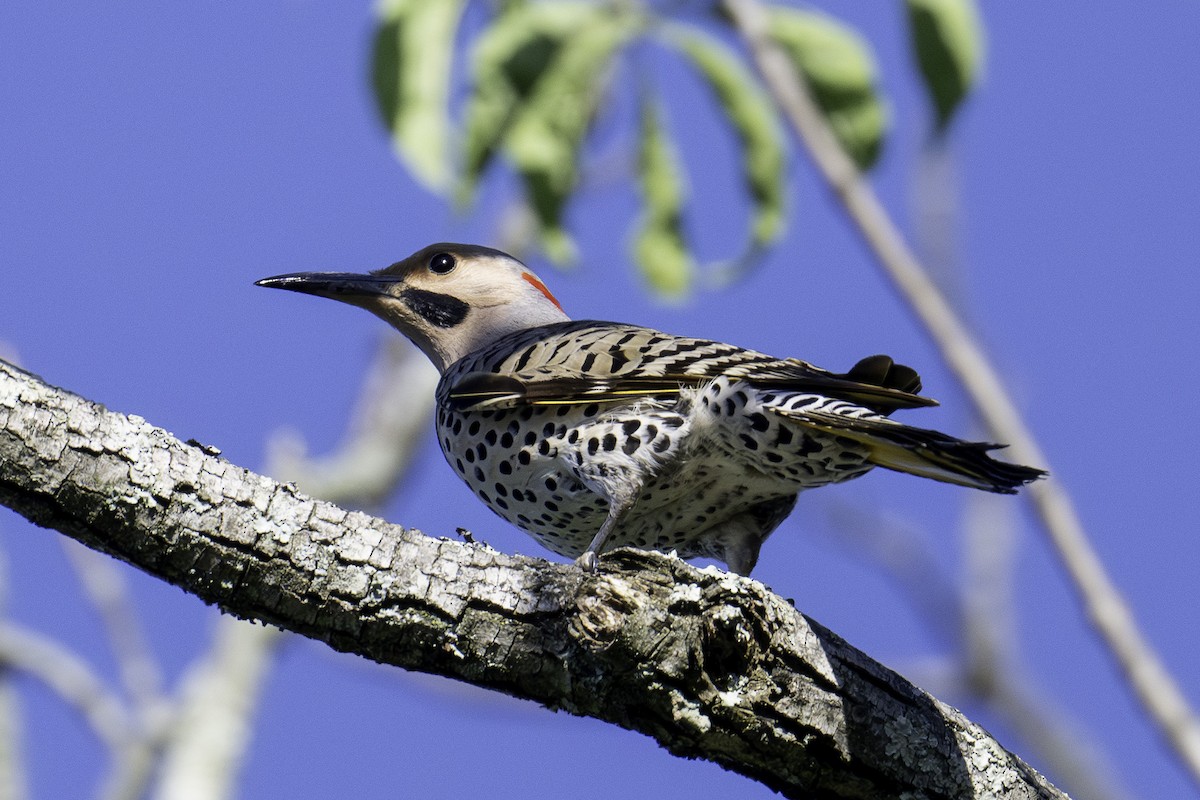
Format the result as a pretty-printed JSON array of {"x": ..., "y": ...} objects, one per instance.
[{"x": 589, "y": 562}]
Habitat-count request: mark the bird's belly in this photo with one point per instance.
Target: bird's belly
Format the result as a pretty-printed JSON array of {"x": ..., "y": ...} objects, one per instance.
[
  {"x": 511, "y": 459},
  {"x": 546, "y": 470},
  {"x": 698, "y": 494},
  {"x": 551, "y": 469}
]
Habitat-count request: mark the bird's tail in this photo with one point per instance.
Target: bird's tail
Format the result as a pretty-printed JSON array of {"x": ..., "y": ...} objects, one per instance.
[{"x": 919, "y": 451}]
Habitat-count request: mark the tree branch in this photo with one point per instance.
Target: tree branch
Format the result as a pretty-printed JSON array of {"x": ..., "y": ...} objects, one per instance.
[
  {"x": 14, "y": 783},
  {"x": 70, "y": 678},
  {"x": 13, "y": 780},
  {"x": 984, "y": 667},
  {"x": 219, "y": 695},
  {"x": 104, "y": 585},
  {"x": 709, "y": 664},
  {"x": 75, "y": 683},
  {"x": 1107, "y": 610},
  {"x": 222, "y": 690}
]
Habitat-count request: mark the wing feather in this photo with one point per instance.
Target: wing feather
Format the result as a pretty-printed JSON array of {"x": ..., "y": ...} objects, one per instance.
[
  {"x": 551, "y": 386},
  {"x": 622, "y": 362}
]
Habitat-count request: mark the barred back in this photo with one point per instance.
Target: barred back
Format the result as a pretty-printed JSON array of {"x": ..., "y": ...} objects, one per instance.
[{"x": 589, "y": 361}]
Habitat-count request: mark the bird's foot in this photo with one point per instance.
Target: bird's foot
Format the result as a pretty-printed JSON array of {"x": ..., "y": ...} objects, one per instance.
[{"x": 589, "y": 562}]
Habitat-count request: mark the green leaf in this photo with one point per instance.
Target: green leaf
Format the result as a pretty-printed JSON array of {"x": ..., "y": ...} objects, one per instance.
[
  {"x": 659, "y": 247},
  {"x": 947, "y": 40},
  {"x": 838, "y": 66},
  {"x": 754, "y": 121},
  {"x": 414, "y": 46},
  {"x": 539, "y": 73},
  {"x": 508, "y": 59}
]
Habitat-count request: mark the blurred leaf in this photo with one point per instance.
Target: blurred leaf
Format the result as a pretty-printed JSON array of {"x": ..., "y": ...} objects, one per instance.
[
  {"x": 753, "y": 118},
  {"x": 948, "y": 42},
  {"x": 507, "y": 61},
  {"x": 538, "y": 76},
  {"x": 837, "y": 64},
  {"x": 659, "y": 247},
  {"x": 414, "y": 46},
  {"x": 545, "y": 141}
]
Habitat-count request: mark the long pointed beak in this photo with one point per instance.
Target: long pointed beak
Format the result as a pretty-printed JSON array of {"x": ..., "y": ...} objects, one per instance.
[{"x": 344, "y": 286}]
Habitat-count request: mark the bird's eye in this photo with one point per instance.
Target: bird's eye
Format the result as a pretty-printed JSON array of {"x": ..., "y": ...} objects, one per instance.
[{"x": 442, "y": 263}]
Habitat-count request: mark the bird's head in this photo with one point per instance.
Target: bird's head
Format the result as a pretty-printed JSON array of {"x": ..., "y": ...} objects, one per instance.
[{"x": 450, "y": 299}]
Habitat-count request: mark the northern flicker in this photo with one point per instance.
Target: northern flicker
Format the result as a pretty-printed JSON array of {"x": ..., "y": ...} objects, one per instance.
[{"x": 594, "y": 435}]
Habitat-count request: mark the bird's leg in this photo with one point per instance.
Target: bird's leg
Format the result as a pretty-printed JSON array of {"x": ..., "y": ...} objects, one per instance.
[
  {"x": 742, "y": 536},
  {"x": 742, "y": 556},
  {"x": 590, "y": 560},
  {"x": 739, "y": 540}
]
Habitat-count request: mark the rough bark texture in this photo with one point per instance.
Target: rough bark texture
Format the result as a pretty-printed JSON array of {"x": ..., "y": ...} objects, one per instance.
[{"x": 711, "y": 665}]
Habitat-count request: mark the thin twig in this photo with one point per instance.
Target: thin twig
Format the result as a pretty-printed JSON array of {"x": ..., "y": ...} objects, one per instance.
[
  {"x": 108, "y": 592},
  {"x": 989, "y": 640},
  {"x": 989, "y": 527},
  {"x": 989, "y": 660},
  {"x": 218, "y": 699},
  {"x": 14, "y": 782},
  {"x": 105, "y": 587},
  {"x": 906, "y": 557},
  {"x": 1152, "y": 684},
  {"x": 70, "y": 678},
  {"x": 67, "y": 675}
]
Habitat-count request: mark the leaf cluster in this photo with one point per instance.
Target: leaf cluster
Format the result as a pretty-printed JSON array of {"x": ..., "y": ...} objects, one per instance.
[{"x": 538, "y": 75}]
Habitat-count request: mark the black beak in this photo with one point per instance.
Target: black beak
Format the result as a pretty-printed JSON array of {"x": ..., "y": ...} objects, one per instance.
[{"x": 335, "y": 285}]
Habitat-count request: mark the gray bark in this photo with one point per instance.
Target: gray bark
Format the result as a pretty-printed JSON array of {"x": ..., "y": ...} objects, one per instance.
[{"x": 711, "y": 665}]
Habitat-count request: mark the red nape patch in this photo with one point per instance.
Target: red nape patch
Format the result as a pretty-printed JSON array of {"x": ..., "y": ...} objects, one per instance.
[{"x": 541, "y": 287}]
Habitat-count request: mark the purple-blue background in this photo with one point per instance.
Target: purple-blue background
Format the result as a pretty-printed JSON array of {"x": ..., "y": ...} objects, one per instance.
[{"x": 156, "y": 158}]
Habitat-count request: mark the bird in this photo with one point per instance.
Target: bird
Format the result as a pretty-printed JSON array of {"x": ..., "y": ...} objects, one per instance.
[{"x": 593, "y": 435}]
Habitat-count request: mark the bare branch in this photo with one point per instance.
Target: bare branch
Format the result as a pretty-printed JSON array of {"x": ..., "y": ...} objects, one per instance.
[
  {"x": 151, "y": 710},
  {"x": 221, "y": 691},
  {"x": 78, "y": 686},
  {"x": 14, "y": 784},
  {"x": 209, "y": 738},
  {"x": 1107, "y": 610},
  {"x": 710, "y": 664},
  {"x": 984, "y": 666},
  {"x": 106, "y": 588},
  {"x": 907, "y": 558},
  {"x": 988, "y": 638},
  {"x": 70, "y": 678},
  {"x": 988, "y": 669},
  {"x": 392, "y": 418}
]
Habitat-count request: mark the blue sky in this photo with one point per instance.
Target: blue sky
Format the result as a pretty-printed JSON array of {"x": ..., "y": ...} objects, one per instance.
[{"x": 157, "y": 158}]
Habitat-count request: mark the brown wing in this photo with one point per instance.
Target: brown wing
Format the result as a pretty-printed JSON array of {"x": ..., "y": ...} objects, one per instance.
[
  {"x": 586, "y": 361},
  {"x": 882, "y": 387}
]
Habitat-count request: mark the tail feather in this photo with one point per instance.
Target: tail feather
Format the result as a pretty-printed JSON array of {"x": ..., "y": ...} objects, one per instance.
[
  {"x": 881, "y": 370},
  {"x": 923, "y": 452}
]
